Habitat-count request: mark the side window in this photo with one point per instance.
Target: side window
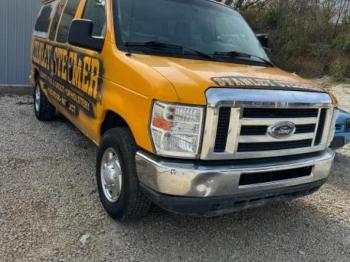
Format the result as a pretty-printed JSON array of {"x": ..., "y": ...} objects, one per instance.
[
  {"x": 95, "y": 11},
  {"x": 56, "y": 19},
  {"x": 66, "y": 20},
  {"x": 43, "y": 21}
]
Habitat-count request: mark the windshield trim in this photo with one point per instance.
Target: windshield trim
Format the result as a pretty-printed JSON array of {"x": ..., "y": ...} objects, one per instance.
[{"x": 162, "y": 53}]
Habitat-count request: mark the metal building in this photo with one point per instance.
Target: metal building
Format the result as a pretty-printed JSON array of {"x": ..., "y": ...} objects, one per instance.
[{"x": 17, "y": 18}]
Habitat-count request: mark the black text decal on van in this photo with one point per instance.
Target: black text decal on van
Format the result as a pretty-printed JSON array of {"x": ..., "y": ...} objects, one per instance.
[
  {"x": 73, "y": 78},
  {"x": 239, "y": 81}
]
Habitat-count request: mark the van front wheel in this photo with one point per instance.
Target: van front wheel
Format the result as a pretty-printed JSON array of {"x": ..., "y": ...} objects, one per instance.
[
  {"x": 44, "y": 111},
  {"x": 117, "y": 181}
]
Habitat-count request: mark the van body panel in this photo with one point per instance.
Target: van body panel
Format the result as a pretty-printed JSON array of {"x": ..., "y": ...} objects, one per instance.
[{"x": 191, "y": 78}]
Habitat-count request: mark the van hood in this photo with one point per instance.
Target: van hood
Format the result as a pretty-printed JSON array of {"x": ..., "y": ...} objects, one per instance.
[{"x": 191, "y": 78}]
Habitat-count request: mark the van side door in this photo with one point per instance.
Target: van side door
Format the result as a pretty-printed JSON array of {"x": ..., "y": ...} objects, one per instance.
[{"x": 86, "y": 70}]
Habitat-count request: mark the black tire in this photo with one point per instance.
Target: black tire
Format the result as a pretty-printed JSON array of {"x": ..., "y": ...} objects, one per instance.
[
  {"x": 43, "y": 110},
  {"x": 132, "y": 204}
]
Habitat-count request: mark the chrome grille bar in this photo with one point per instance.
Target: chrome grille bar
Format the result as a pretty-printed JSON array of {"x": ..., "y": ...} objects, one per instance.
[
  {"x": 267, "y": 138},
  {"x": 271, "y": 121},
  {"x": 328, "y": 126},
  {"x": 208, "y": 145},
  {"x": 234, "y": 131},
  {"x": 316, "y": 129}
]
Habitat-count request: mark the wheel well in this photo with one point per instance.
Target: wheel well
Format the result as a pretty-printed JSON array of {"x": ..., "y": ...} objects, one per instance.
[{"x": 112, "y": 120}]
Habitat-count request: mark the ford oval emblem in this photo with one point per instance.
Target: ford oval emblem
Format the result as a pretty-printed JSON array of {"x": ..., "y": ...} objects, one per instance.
[{"x": 282, "y": 130}]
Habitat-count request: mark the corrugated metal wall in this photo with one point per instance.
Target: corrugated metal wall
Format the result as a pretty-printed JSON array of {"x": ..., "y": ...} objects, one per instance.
[{"x": 17, "y": 18}]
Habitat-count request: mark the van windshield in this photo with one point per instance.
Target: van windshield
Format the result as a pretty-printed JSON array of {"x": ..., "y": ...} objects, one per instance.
[{"x": 202, "y": 26}]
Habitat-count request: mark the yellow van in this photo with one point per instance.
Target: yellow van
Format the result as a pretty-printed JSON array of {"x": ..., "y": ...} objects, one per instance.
[{"x": 181, "y": 98}]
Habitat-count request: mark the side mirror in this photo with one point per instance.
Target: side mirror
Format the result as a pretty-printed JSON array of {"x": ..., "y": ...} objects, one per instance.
[
  {"x": 80, "y": 34},
  {"x": 263, "y": 39}
]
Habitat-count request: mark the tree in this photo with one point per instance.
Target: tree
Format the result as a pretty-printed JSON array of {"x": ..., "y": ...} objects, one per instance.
[{"x": 243, "y": 4}]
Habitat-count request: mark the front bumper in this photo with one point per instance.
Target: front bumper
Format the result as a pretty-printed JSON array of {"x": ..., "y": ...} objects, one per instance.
[
  {"x": 215, "y": 206},
  {"x": 191, "y": 182}
]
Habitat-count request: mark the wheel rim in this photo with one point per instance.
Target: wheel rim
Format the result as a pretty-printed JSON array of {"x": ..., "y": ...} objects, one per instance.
[
  {"x": 111, "y": 175},
  {"x": 37, "y": 98}
]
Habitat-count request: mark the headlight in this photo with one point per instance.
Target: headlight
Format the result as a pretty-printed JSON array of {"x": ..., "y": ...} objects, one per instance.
[
  {"x": 176, "y": 129},
  {"x": 347, "y": 124}
]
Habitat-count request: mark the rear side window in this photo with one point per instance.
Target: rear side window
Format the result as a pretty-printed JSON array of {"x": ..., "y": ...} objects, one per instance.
[
  {"x": 95, "y": 11},
  {"x": 56, "y": 19},
  {"x": 43, "y": 21},
  {"x": 66, "y": 20}
]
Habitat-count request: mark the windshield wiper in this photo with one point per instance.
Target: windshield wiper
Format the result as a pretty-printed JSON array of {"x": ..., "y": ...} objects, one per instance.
[
  {"x": 156, "y": 44},
  {"x": 236, "y": 54}
]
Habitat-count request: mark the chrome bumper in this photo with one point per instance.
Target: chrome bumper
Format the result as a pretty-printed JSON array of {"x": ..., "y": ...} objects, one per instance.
[{"x": 181, "y": 178}]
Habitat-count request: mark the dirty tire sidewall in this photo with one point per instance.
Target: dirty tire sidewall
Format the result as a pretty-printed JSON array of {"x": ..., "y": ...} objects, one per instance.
[{"x": 132, "y": 203}]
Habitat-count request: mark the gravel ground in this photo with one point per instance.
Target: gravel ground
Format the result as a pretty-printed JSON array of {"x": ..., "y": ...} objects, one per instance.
[
  {"x": 342, "y": 92},
  {"x": 50, "y": 211}
]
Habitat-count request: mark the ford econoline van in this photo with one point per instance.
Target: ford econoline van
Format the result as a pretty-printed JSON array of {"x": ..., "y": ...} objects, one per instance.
[{"x": 184, "y": 104}]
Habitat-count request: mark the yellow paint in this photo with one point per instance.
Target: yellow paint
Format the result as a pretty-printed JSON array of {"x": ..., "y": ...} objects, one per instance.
[{"x": 132, "y": 83}]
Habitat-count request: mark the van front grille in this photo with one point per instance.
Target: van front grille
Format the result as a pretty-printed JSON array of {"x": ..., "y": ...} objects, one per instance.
[
  {"x": 244, "y": 129},
  {"x": 258, "y": 133}
]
